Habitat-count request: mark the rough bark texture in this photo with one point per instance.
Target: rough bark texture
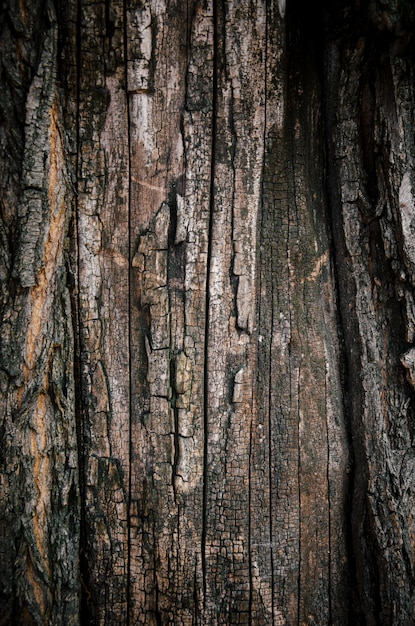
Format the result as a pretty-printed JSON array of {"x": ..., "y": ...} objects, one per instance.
[
  {"x": 207, "y": 268},
  {"x": 370, "y": 73},
  {"x": 40, "y": 501}
]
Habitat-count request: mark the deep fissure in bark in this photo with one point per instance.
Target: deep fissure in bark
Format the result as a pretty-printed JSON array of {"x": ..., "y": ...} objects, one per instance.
[
  {"x": 215, "y": 69},
  {"x": 379, "y": 46},
  {"x": 86, "y": 610},
  {"x": 344, "y": 291},
  {"x": 130, "y": 304}
]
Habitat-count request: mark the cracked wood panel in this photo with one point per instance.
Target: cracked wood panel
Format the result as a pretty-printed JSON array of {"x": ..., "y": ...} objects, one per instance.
[
  {"x": 201, "y": 463},
  {"x": 373, "y": 154},
  {"x": 103, "y": 301},
  {"x": 231, "y": 333},
  {"x": 299, "y": 383},
  {"x": 170, "y": 100},
  {"x": 39, "y": 480}
]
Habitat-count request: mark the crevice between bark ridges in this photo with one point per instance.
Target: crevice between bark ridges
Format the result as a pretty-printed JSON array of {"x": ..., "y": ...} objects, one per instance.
[
  {"x": 206, "y": 391},
  {"x": 86, "y": 613},
  {"x": 130, "y": 304}
]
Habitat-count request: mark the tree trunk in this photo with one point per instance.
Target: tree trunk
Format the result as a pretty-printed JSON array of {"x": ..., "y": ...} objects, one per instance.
[{"x": 208, "y": 321}]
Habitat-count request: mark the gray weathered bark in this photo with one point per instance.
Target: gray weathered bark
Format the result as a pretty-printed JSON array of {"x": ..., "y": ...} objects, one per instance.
[{"x": 208, "y": 273}]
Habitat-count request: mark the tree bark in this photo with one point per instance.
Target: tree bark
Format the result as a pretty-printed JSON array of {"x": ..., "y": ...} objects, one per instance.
[
  {"x": 40, "y": 479},
  {"x": 370, "y": 151},
  {"x": 207, "y": 312}
]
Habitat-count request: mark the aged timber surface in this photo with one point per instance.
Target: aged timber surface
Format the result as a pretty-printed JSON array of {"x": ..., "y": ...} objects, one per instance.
[{"x": 207, "y": 333}]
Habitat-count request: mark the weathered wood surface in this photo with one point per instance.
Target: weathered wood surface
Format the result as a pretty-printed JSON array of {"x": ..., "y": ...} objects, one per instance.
[
  {"x": 371, "y": 152},
  {"x": 207, "y": 269},
  {"x": 40, "y": 502}
]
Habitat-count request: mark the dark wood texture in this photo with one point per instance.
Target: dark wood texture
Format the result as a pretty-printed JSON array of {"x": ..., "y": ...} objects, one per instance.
[{"x": 207, "y": 268}]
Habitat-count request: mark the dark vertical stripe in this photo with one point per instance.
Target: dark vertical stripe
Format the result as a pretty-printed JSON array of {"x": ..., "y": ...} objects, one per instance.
[
  {"x": 208, "y": 278},
  {"x": 86, "y": 616},
  {"x": 130, "y": 365}
]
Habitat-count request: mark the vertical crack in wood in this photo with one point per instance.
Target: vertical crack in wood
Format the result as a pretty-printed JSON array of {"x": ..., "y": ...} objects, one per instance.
[
  {"x": 270, "y": 457},
  {"x": 250, "y": 523},
  {"x": 130, "y": 298},
  {"x": 261, "y": 290},
  {"x": 301, "y": 413},
  {"x": 331, "y": 72},
  {"x": 329, "y": 503},
  {"x": 85, "y": 609},
  {"x": 294, "y": 393},
  {"x": 173, "y": 404},
  {"x": 215, "y": 17}
]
